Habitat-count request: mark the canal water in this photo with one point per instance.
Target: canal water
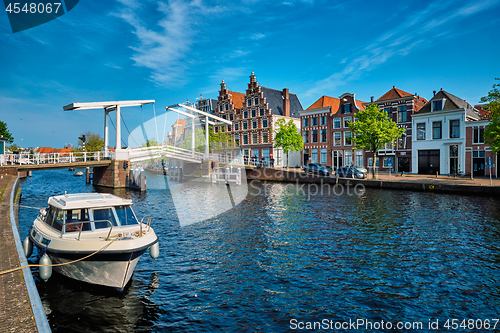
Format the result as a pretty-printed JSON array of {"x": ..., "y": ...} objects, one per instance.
[{"x": 283, "y": 259}]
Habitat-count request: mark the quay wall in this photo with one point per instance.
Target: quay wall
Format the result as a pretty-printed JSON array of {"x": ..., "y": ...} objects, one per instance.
[{"x": 427, "y": 185}]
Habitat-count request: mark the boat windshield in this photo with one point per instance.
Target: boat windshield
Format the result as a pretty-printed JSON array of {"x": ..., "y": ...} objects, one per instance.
[
  {"x": 103, "y": 214},
  {"x": 54, "y": 218},
  {"x": 77, "y": 215},
  {"x": 126, "y": 215}
]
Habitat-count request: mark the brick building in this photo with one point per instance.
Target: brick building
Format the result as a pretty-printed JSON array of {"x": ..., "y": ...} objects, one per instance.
[
  {"x": 400, "y": 106},
  {"x": 325, "y": 132},
  {"x": 253, "y": 115}
]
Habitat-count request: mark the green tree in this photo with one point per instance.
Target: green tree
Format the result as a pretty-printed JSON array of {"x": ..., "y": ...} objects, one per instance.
[
  {"x": 372, "y": 130},
  {"x": 150, "y": 143},
  {"x": 492, "y": 131},
  {"x": 4, "y": 132},
  {"x": 93, "y": 142},
  {"x": 13, "y": 148},
  {"x": 287, "y": 137}
]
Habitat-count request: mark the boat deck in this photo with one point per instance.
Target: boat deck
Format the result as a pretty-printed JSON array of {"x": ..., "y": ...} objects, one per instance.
[{"x": 15, "y": 307}]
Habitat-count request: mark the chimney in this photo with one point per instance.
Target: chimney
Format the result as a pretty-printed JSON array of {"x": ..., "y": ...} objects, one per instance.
[
  {"x": 371, "y": 98},
  {"x": 434, "y": 92},
  {"x": 286, "y": 103}
]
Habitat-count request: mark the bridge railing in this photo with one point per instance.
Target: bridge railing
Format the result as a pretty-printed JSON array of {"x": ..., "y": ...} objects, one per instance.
[
  {"x": 163, "y": 151},
  {"x": 49, "y": 158}
]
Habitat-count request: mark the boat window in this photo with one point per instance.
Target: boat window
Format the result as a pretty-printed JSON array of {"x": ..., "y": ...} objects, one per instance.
[
  {"x": 74, "y": 216},
  {"x": 49, "y": 216},
  {"x": 103, "y": 215},
  {"x": 125, "y": 215},
  {"x": 57, "y": 218}
]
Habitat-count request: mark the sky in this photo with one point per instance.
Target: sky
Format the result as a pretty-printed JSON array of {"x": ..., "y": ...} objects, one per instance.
[{"x": 173, "y": 51}]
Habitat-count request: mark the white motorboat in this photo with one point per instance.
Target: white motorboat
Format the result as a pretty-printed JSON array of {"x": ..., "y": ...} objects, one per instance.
[{"x": 101, "y": 226}]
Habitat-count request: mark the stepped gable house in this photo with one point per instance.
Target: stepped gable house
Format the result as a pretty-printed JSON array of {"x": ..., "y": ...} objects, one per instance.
[
  {"x": 254, "y": 114},
  {"x": 400, "y": 106}
]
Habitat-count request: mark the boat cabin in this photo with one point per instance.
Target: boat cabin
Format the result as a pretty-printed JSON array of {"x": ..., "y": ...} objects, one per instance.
[{"x": 92, "y": 211}]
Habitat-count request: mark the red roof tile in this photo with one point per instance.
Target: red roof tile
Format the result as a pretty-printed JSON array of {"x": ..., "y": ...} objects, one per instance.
[
  {"x": 325, "y": 101},
  {"x": 394, "y": 93},
  {"x": 238, "y": 99}
]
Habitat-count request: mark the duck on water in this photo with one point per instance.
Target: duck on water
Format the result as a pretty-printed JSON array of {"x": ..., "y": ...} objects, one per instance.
[{"x": 91, "y": 237}]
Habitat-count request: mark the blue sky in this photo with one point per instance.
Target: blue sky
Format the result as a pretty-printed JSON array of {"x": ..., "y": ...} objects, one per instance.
[{"x": 171, "y": 51}]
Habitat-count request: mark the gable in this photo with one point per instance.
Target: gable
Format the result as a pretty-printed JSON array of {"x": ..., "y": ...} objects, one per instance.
[
  {"x": 274, "y": 98},
  {"x": 326, "y": 101},
  {"x": 394, "y": 93}
]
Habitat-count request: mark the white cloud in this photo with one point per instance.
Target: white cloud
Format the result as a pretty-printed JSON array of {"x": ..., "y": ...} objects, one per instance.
[{"x": 257, "y": 36}]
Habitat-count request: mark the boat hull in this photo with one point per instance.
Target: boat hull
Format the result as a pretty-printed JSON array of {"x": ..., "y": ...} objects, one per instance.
[{"x": 111, "y": 270}]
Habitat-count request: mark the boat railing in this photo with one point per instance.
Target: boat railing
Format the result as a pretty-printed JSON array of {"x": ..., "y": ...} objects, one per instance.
[
  {"x": 148, "y": 223},
  {"x": 80, "y": 227}
]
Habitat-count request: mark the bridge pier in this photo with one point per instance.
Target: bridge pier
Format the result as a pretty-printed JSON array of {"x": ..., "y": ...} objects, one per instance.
[{"x": 115, "y": 175}]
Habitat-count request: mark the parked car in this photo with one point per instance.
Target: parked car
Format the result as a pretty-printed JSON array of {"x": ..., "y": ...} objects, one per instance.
[
  {"x": 352, "y": 172},
  {"x": 317, "y": 168}
]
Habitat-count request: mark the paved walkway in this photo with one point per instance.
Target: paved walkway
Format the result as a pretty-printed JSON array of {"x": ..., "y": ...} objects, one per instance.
[
  {"x": 466, "y": 180},
  {"x": 15, "y": 308}
]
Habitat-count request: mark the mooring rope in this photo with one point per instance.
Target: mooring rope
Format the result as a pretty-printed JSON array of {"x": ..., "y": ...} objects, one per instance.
[{"x": 61, "y": 264}]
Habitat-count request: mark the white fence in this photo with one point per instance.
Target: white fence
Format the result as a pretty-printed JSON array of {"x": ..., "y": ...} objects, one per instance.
[
  {"x": 226, "y": 176},
  {"x": 50, "y": 158}
]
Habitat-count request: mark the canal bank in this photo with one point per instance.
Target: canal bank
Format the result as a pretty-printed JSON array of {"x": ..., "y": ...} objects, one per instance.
[
  {"x": 20, "y": 307},
  {"x": 441, "y": 184}
]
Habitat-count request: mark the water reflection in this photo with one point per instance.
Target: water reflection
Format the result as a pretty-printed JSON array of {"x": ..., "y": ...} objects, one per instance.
[{"x": 283, "y": 254}]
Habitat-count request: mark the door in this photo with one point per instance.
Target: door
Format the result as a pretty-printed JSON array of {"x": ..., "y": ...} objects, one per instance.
[
  {"x": 403, "y": 164},
  {"x": 428, "y": 162},
  {"x": 478, "y": 165},
  {"x": 336, "y": 159}
]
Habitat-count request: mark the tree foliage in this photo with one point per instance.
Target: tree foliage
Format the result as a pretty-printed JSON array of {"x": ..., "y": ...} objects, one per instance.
[
  {"x": 287, "y": 137},
  {"x": 373, "y": 129},
  {"x": 492, "y": 131},
  {"x": 93, "y": 142},
  {"x": 150, "y": 143},
  {"x": 217, "y": 141},
  {"x": 4, "y": 132}
]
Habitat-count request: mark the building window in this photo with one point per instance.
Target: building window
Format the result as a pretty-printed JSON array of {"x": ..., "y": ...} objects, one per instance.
[
  {"x": 347, "y": 138},
  {"x": 388, "y": 162},
  {"x": 245, "y": 125},
  {"x": 478, "y": 153},
  {"x": 305, "y": 122},
  {"x": 236, "y": 126},
  {"x": 314, "y": 136},
  {"x": 346, "y": 108},
  {"x": 437, "y": 105},
  {"x": 323, "y": 120},
  {"x": 388, "y": 110},
  {"x": 305, "y": 137},
  {"x": 437, "y": 130},
  {"x": 359, "y": 157},
  {"x": 237, "y": 140},
  {"x": 336, "y": 123},
  {"x": 249, "y": 102},
  {"x": 324, "y": 158},
  {"x": 314, "y": 155},
  {"x": 256, "y": 101},
  {"x": 245, "y": 114},
  {"x": 264, "y": 123},
  {"x": 402, "y": 141},
  {"x": 224, "y": 116},
  {"x": 370, "y": 162},
  {"x": 346, "y": 120},
  {"x": 402, "y": 114},
  {"x": 323, "y": 135},
  {"x": 478, "y": 135},
  {"x": 254, "y": 113},
  {"x": 231, "y": 117},
  {"x": 421, "y": 131},
  {"x": 227, "y": 107},
  {"x": 254, "y": 124},
  {"x": 245, "y": 139},
  {"x": 348, "y": 157},
  {"x": 255, "y": 138},
  {"x": 265, "y": 137},
  {"x": 261, "y": 111},
  {"x": 455, "y": 128},
  {"x": 314, "y": 121},
  {"x": 229, "y": 128},
  {"x": 220, "y": 108},
  {"x": 337, "y": 137}
]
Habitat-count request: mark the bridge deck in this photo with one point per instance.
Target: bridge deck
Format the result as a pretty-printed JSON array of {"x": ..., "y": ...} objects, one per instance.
[{"x": 51, "y": 166}]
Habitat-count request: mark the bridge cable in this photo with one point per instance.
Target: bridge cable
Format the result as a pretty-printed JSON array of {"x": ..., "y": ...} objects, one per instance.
[
  {"x": 156, "y": 126},
  {"x": 125, "y": 144},
  {"x": 130, "y": 134},
  {"x": 143, "y": 129}
]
